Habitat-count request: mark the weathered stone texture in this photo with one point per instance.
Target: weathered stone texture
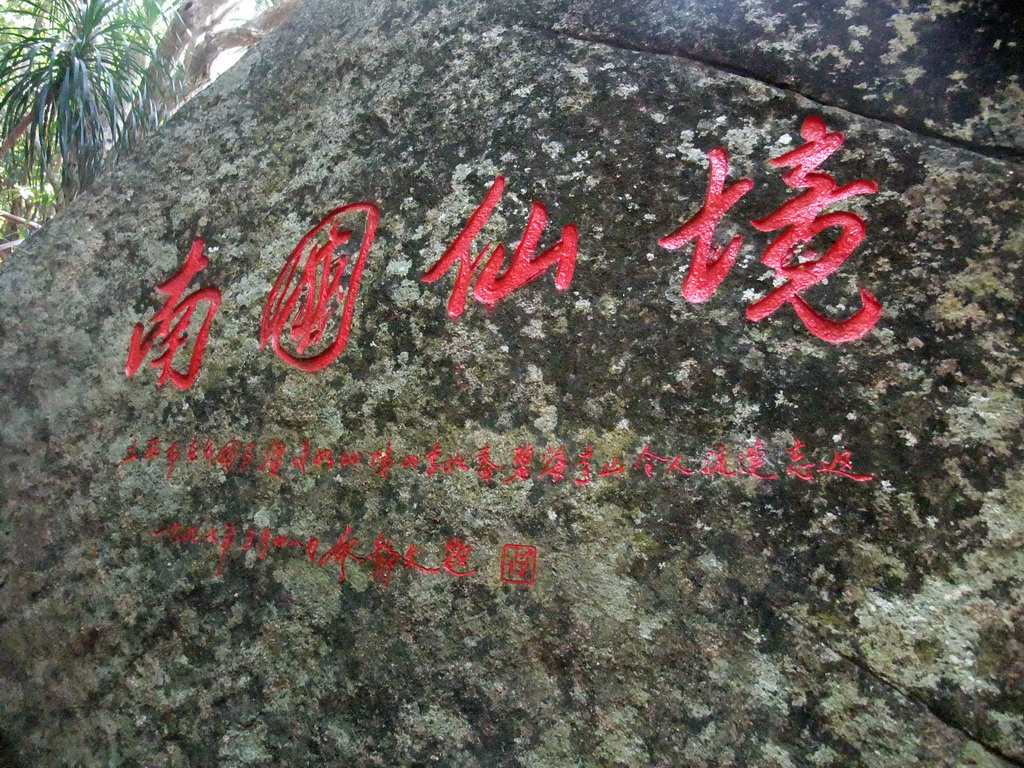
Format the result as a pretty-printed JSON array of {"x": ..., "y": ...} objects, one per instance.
[
  {"x": 699, "y": 621},
  {"x": 947, "y": 68}
]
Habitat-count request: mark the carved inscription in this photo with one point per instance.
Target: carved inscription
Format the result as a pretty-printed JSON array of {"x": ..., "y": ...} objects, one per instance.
[
  {"x": 551, "y": 464},
  {"x": 518, "y": 561},
  {"x": 310, "y": 308}
]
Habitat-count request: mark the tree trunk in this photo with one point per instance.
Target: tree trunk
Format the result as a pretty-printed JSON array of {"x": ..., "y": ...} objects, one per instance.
[
  {"x": 192, "y": 43},
  {"x": 17, "y": 133}
]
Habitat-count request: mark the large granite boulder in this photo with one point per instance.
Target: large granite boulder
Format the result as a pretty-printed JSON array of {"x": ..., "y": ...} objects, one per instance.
[{"x": 452, "y": 437}]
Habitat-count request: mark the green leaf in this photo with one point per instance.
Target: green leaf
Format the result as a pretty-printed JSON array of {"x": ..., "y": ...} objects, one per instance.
[{"x": 80, "y": 71}]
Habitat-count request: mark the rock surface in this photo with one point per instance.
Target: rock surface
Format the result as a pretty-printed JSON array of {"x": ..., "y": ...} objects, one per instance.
[
  {"x": 945, "y": 69},
  {"x": 724, "y": 617}
]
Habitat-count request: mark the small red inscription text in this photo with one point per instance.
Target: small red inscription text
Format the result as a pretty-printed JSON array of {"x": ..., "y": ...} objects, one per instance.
[
  {"x": 518, "y": 563},
  {"x": 382, "y": 557},
  {"x": 524, "y": 463}
]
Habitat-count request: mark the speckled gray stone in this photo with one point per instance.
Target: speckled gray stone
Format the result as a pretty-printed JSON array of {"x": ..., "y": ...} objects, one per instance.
[
  {"x": 946, "y": 68},
  {"x": 701, "y": 620}
]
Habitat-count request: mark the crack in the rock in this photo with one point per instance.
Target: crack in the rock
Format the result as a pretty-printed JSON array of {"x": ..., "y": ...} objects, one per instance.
[
  {"x": 996, "y": 152},
  {"x": 920, "y": 701},
  {"x": 882, "y": 679},
  {"x": 991, "y": 151}
]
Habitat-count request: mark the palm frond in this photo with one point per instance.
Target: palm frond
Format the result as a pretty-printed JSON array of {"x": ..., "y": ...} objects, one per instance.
[{"x": 84, "y": 79}]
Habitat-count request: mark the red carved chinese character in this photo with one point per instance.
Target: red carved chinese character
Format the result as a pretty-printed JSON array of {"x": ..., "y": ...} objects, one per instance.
[
  {"x": 456, "y": 555},
  {"x": 677, "y": 466},
  {"x": 555, "y": 463},
  {"x": 311, "y": 547},
  {"x": 433, "y": 456},
  {"x": 246, "y": 457},
  {"x": 803, "y": 219},
  {"x": 842, "y": 464},
  {"x": 717, "y": 463},
  {"x": 647, "y": 457},
  {"x": 384, "y": 559},
  {"x": 171, "y": 324},
  {"x": 248, "y": 541},
  {"x": 286, "y": 541},
  {"x": 273, "y": 458},
  {"x": 266, "y": 538},
  {"x": 584, "y": 465},
  {"x": 382, "y": 459},
  {"x": 349, "y": 457},
  {"x": 309, "y": 289},
  {"x": 709, "y": 265},
  {"x": 751, "y": 461},
  {"x": 518, "y": 563},
  {"x": 172, "y": 454},
  {"x": 453, "y": 463},
  {"x": 299, "y": 461},
  {"x": 341, "y": 550},
  {"x": 325, "y": 457},
  {"x": 190, "y": 536},
  {"x": 521, "y": 463},
  {"x": 152, "y": 448},
  {"x": 264, "y": 543},
  {"x": 171, "y": 531},
  {"x": 614, "y": 467},
  {"x": 229, "y": 454},
  {"x": 485, "y": 468},
  {"x": 796, "y": 455},
  {"x": 525, "y": 266},
  {"x": 410, "y": 560},
  {"x": 133, "y": 452},
  {"x": 225, "y": 542}
]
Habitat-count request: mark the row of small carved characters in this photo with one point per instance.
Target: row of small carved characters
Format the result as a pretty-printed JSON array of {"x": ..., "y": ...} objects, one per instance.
[{"x": 553, "y": 463}]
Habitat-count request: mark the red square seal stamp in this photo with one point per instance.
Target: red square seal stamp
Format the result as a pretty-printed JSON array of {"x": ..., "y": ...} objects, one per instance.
[{"x": 518, "y": 563}]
